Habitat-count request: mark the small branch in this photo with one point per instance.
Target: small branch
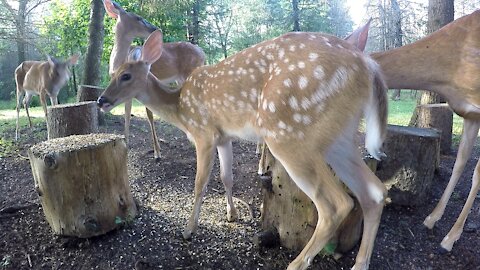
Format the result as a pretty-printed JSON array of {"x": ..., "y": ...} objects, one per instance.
[
  {"x": 29, "y": 260},
  {"x": 16, "y": 208}
]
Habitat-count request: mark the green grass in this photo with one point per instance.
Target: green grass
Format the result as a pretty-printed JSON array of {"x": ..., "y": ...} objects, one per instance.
[{"x": 400, "y": 113}]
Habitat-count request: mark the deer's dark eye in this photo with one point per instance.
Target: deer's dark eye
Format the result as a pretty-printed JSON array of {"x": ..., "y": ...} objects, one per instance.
[{"x": 125, "y": 77}]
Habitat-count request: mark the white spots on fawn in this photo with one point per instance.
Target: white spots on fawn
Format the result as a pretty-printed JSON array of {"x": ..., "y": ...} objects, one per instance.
[
  {"x": 297, "y": 117},
  {"x": 292, "y": 48},
  {"x": 244, "y": 94},
  {"x": 318, "y": 72},
  {"x": 264, "y": 104},
  {"x": 253, "y": 95},
  {"x": 291, "y": 67},
  {"x": 312, "y": 37},
  {"x": 287, "y": 83},
  {"x": 338, "y": 79},
  {"x": 281, "y": 53},
  {"x": 301, "y": 46},
  {"x": 301, "y": 64},
  {"x": 340, "y": 46},
  {"x": 325, "y": 39},
  {"x": 301, "y": 135},
  {"x": 292, "y": 101},
  {"x": 271, "y": 106},
  {"x": 282, "y": 125},
  {"x": 306, "y": 103},
  {"x": 302, "y": 82},
  {"x": 312, "y": 56}
]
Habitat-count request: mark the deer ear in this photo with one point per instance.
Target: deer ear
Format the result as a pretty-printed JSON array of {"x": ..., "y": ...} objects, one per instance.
[
  {"x": 73, "y": 59},
  {"x": 51, "y": 61},
  {"x": 153, "y": 47},
  {"x": 135, "y": 54},
  {"x": 359, "y": 37},
  {"x": 112, "y": 8}
]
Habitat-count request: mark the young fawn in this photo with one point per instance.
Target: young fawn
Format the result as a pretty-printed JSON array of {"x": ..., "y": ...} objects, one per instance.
[
  {"x": 40, "y": 78},
  {"x": 303, "y": 94}
]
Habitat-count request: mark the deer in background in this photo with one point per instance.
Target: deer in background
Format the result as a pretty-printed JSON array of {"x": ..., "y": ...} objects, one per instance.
[
  {"x": 176, "y": 63},
  {"x": 40, "y": 78},
  {"x": 293, "y": 92},
  {"x": 446, "y": 62}
]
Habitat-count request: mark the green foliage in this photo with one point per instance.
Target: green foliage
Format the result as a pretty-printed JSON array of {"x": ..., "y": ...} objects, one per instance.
[{"x": 7, "y": 147}]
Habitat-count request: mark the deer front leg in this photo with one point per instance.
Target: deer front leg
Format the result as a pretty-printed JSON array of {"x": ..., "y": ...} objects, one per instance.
[
  {"x": 225, "y": 155},
  {"x": 457, "y": 229},
  {"x": 204, "y": 167},
  {"x": 128, "y": 111},
  {"x": 156, "y": 146},
  {"x": 54, "y": 100},
  {"x": 469, "y": 135}
]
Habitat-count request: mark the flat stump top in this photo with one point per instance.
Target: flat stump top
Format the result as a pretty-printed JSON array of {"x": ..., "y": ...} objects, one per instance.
[{"x": 73, "y": 143}]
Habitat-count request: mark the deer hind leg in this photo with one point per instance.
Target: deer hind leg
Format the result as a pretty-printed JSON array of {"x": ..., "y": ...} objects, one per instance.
[
  {"x": 457, "y": 229},
  {"x": 347, "y": 163},
  {"x": 26, "y": 104},
  {"x": 225, "y": 156},
  {"x": 469, "y": 135},
  {"x": 313, "y": 176},
  {"x": 156, "y": 145},
  {"x": 204, "y": 167},
  {"x": 128, "y": 113},
  {"x": 20, "y": 95}
]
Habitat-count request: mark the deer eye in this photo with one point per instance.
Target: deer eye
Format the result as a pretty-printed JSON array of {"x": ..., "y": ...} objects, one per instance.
[{"x": 125, "y": 77}]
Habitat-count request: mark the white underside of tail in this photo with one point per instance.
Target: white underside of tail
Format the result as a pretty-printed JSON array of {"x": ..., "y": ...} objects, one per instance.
[{"x": 373, "y": 136}]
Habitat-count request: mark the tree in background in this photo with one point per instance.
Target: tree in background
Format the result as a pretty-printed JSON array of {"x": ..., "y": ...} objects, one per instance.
[
  {"x": 440, "y": 13},
  {"x": 91, "y": 76}
]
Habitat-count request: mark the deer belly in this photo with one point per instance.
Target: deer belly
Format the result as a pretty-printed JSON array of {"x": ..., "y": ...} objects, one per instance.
[
  {"x": 247, "y": 132},
  {"x": 31, "y": 92}
]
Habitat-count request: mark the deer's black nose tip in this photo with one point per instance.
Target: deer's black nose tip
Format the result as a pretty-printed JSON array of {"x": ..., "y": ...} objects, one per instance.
[{"x": 101, "y": 101}]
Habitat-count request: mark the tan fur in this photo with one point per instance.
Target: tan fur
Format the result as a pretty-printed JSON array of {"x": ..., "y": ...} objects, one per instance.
[
  {"x": 176, "y": 63},
  {"x": 40, "y": 78},
  {"x": 302, "y": 93},
  {"x": 446, "y": 62}
]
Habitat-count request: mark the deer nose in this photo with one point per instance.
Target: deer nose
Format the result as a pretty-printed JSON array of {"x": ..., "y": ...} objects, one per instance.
[{"x": 101, "y": 101}]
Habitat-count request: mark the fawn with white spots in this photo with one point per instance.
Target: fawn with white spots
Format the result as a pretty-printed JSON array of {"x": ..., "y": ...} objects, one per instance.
[
  {"x": 304, "y": 95},
  {"x": 178, "y": 60},
  {"x": 40, "y": 78},
  {"x": 447, "y": 62}
]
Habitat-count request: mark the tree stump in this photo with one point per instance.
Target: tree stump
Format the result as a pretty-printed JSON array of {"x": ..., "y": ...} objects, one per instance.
[
  {"x": 428, "y": 117},
  {"x": 91, "y": 93},
  {"x": 83, "y": 184},
  {"x": 413, "y": 154},
  {"x": 290, "y": 214},
  {"x": 72, "y": 119}
]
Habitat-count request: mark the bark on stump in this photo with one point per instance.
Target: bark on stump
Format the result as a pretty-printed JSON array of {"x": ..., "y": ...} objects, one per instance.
[
  {"x": 413, "y": 155},
  {"x": 72, "y": 119},
  {"x": 429, "y": 117},
  {"x": 91, "y": 93},
  {"x": 290, "y": 214},
  {"x": 83, "y": 184}
]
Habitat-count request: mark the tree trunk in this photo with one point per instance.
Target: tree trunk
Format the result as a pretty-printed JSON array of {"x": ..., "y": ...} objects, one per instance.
[
  {"x": 20, "y": 23},
  {"x": 408, "y": 170},
  {"x": 397, "y": 35},
  {"x": 83, "y": 184},
  {"x": 440, "y": 13},
  {"x": 72, "y": 119},
  {"x": 295, "y": 16},
  {"x": 91, "y": 93},
  {"x": 93, "y": 58},
  {"x": 195, "y": 29}
]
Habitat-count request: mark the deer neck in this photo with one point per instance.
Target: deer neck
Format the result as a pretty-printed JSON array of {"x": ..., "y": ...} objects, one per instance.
[
  {"x": 161, "y": 100},
  {"x": 120, "y": 49}
]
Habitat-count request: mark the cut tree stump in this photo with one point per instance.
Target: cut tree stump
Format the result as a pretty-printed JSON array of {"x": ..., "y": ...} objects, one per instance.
[
  {"x": 290, "y": 214},
  {"x": 91, "y": 93},
  {"x": 72, "y": 119},
  {"x": 428, "y": 117},
  {"x": 413, "y": 155},
  {"x": 83, "y": 183}
]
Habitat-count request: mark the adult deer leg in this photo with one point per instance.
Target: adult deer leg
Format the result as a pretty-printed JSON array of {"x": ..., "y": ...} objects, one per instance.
[
  {"x": 369, "y": 190},
  {"x": 204, "y": 167},
  {"x": 225, "y": 155},
  {"x": 470, "y": 131},
  {"x": 19, "y": 105},
  {"x": 313, "y": 176},
  {"x": 128, "y": 113},
  {"x": 457, "y": 229},
  {"x": 156, "y": 145}
]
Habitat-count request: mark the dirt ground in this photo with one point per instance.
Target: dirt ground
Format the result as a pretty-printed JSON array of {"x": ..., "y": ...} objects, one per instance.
[{"x": 164, "y": 192}]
